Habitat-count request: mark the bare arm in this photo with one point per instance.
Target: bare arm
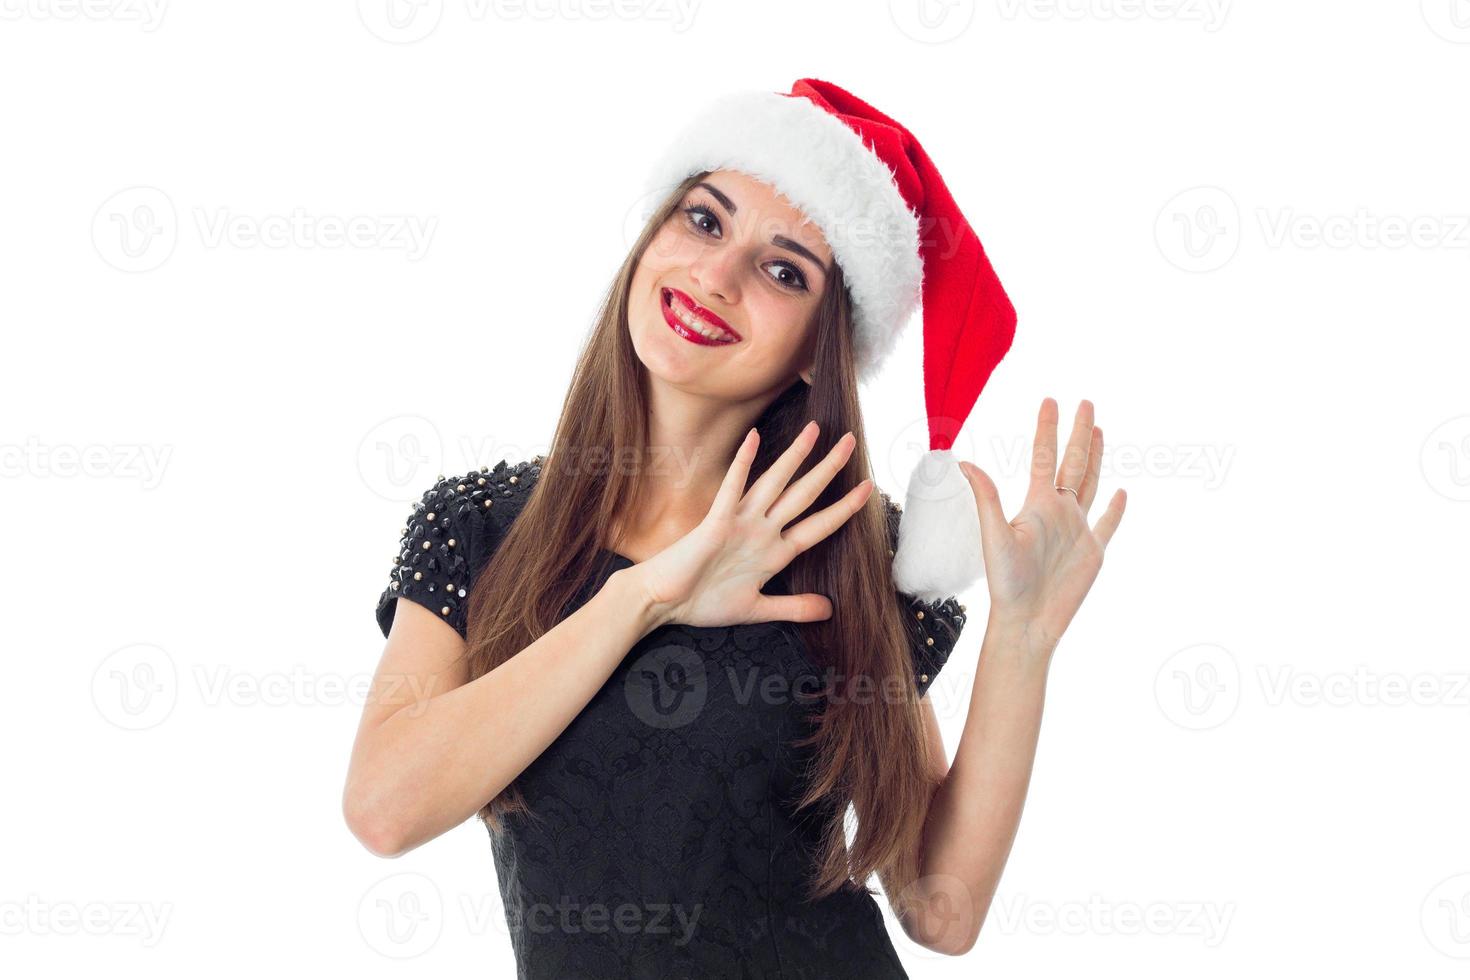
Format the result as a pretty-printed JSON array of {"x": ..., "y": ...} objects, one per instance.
[
  {"x": 1039, "y": 567},
  {"x": 432, "y": 748},
  {"x": 975, "y": 812}
]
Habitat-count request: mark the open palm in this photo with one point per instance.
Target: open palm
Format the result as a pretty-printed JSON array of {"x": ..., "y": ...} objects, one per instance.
[{"x": 1041, "y": 564}]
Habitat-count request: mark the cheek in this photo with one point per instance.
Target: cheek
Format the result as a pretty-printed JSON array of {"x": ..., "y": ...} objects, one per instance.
[
  {"x": 669, "y": 247},
  {"x": 781, "y": 328}
]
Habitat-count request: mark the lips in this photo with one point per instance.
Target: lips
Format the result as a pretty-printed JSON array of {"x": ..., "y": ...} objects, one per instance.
[{"x": 706, "y": 327}]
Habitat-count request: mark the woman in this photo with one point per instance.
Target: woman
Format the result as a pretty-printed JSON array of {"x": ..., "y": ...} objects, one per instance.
[{"x": 663, "y": 661}]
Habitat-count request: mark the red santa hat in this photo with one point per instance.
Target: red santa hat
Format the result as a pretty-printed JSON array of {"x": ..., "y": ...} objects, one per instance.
[{"x": 899, "y": 237}]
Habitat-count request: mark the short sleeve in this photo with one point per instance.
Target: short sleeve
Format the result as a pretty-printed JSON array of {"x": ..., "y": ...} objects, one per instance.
[
  {"x": 933, "y": 627},
  {"x": 450, "y": 536}
]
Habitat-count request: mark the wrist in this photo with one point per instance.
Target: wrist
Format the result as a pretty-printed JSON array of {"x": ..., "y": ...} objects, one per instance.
[
  {"x": 628, "y": 585},
  {"x": 1019, "y": 636}
]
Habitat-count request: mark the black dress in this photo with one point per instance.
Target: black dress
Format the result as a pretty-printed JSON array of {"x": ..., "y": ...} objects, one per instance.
[{"x": 664, "y": 844}]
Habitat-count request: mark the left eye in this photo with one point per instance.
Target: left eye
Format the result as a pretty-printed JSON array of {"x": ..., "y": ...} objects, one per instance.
[
  {"x": 797, "y": 282},
  {"x": 698, "y": 215}
]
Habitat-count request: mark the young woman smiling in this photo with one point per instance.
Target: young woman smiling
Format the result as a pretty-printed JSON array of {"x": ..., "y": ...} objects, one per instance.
[{"x": 665, "y": 660}]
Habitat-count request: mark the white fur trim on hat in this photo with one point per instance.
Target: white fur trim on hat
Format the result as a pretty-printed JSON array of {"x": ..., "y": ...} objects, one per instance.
[{"x": 823, "y": 168}]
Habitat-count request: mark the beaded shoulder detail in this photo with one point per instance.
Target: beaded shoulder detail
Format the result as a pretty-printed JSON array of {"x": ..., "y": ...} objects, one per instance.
[
  {"x": 934, "y": 627},
  {"x": 450, "y": 535}
]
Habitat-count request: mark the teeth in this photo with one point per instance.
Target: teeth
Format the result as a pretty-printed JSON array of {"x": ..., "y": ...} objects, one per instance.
[{"x": 694, "y": 323}]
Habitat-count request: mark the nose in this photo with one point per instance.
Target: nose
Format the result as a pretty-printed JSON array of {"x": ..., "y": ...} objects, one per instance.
[{"x": 714, "y": 272}]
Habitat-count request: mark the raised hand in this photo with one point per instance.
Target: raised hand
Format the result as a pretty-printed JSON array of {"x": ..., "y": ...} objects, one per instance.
[
  {"x": 1041, "y": 564},
  {"x": 714, "y": 574}
]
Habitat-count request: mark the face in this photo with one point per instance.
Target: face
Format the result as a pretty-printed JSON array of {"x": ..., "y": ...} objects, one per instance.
[{"x": 724, "y": 300}]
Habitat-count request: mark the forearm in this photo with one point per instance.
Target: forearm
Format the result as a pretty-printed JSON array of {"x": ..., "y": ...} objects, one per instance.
[
  {"x": 975, "y": 812},
  {"x": 440, "y": 760}
]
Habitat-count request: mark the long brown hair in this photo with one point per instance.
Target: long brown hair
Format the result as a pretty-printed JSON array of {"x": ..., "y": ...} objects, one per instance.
[{"x": 869, "y": 751}]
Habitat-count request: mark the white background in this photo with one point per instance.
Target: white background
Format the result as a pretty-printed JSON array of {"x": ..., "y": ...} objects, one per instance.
[{"x": 1255, "y": 729}]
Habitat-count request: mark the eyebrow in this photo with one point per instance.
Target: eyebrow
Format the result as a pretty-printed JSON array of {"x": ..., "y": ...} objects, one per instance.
[{"x": 779, "y": 240}]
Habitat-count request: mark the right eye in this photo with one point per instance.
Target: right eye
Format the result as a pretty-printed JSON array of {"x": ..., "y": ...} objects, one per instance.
[{"x": 697, "y": 212}]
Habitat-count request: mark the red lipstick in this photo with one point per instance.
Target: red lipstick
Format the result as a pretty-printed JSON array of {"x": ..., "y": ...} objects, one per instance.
[{"x": 710, "y": 321}]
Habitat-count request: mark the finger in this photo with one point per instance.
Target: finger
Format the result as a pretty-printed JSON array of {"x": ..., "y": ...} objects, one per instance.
[
  {"x": 778, "y": 474},
  {"x": 809, "y": 607},
  {"x": 1044, "y": 451},
  {"x": 739, "y": 471},
  {"x": 799, "y": 496},
  {"x": 1074, "y": 459},
  {"x": 1107, "y": 522},
  {"x": 818, "y": 526},
  {"x": 1088, "y": 490},
  {"x": 993, "y": 523}
]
